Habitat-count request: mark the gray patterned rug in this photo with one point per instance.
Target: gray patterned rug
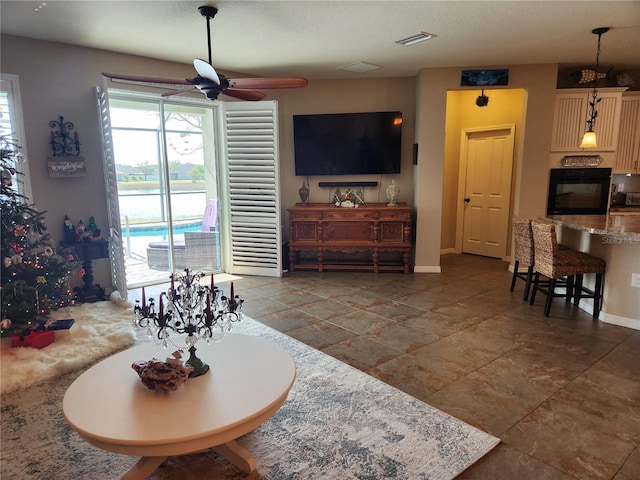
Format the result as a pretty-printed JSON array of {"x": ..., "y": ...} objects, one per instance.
[{"x": 337, "y": 423}]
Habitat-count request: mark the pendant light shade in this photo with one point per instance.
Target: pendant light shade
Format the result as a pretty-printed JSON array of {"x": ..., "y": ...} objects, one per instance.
[{"x": 589, "y": 139}]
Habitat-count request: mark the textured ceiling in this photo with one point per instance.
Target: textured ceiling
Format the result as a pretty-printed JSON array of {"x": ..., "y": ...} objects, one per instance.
[{"x": 315, "y": 38}]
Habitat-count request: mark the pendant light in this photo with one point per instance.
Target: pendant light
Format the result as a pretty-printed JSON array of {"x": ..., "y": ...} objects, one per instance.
[{"x": 589, "y": 139}]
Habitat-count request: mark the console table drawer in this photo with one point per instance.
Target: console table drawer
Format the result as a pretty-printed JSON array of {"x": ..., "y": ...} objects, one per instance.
[{"x": 347, "y": 231}]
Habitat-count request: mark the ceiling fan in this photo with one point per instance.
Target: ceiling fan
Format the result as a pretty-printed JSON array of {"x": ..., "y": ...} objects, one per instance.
[{"x": 211, "y": 83}]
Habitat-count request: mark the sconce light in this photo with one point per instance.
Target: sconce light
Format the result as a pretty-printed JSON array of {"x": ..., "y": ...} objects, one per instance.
[{"x": 589, "y": 139}]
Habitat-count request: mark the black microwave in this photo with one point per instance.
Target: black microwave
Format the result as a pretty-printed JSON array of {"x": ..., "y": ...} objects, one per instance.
[{"x": 578, "y": 191}]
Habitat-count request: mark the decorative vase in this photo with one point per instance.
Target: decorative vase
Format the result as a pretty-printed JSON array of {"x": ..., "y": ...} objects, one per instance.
[
  {"x": 392, "y": 194},
  {"x": 303, "y": 191}
]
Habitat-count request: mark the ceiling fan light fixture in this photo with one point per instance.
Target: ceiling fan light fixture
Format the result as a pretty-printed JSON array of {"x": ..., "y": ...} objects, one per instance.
[
  {"x": 360, "y": 67},
  {"x": 417, "y": 38}
]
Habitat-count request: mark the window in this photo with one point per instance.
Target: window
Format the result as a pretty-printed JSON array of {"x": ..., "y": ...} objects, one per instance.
[
  {"x": 166, "y": 170},
  {"x": 12, "y": 126},
  {"x": 236, "y": 144}
]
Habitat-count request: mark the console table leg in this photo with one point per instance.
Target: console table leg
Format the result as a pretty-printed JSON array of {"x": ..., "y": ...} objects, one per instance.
[
  {"x": 145, "y": 467},
  {"x": 237, "y": 455}
]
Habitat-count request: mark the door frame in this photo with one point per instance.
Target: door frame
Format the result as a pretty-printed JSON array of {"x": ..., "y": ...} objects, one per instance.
[{"x": 462, "y": 178}]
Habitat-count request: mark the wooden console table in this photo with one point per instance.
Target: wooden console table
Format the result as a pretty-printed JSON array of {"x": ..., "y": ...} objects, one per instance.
[{"x": 321, "y": 228}]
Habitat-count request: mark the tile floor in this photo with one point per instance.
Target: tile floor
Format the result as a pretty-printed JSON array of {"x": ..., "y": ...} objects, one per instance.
[{"x": 562, "y": 393}]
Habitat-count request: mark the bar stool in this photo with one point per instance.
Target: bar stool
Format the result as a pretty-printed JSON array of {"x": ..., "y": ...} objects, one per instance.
[
  {"x": 523, "y": 253},
  {"x": 555, "y": 261}
]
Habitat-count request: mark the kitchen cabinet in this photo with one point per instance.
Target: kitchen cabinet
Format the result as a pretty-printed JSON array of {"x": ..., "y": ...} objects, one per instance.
[
  {"x": 628, "y": 152},
  {"x": 570, "y": 119}
]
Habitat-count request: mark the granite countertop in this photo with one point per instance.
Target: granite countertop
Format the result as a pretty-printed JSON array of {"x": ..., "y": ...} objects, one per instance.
[{"x": 618, "y": 226}]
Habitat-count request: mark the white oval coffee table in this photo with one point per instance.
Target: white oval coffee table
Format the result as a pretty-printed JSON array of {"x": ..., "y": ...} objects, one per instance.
[{"x": 249, "y": 380}]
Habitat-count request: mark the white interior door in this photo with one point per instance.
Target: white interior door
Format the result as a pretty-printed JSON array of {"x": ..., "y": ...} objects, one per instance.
[{"x": 485, "y": 173}]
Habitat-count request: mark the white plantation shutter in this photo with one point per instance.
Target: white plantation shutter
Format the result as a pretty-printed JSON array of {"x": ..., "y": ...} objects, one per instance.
[
  {"x": 116, "y": 250},
  {"x": 253, "y": 214},
  {"x": 12, "y": 126}
]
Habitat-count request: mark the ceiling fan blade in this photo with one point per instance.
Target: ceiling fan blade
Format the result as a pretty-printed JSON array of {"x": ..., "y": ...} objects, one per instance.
[
  {"x": 244, "y": 94},
  {"x": 178, "y": 92},
  {"x": 268, "y": 83},
  {"x": 206, "y": 70},
  {"x": 160, "y": 81}
]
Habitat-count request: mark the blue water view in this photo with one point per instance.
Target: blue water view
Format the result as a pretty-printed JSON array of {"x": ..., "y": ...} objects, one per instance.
[
  {"x": 144, "y": 213},
  {"x": 160, "y": 230}
]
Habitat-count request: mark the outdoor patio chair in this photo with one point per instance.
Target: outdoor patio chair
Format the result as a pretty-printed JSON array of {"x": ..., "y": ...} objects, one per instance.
[{"x": 199, "y": 250}]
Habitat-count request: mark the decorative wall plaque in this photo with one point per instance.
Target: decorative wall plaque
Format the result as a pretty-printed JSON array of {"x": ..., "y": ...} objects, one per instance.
[
  {"x": 581, "y": 161},
  {"x": 66, "y": 160}
]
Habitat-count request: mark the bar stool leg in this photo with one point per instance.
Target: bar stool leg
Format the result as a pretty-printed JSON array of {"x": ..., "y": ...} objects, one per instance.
[
  {"x": 550, "y": 292},
  {"x": 570, "y": 288},
  {"x": 515, "y": 275},
  {"x": 527, "y": 284},
  {"x": 578, "y": 290},
  {"x": 597, "y": 292},
  {"x": 535, "y": 288}
]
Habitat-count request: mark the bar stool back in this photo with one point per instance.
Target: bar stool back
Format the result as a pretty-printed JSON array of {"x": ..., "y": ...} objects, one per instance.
[{"x": 523, "y": 253}]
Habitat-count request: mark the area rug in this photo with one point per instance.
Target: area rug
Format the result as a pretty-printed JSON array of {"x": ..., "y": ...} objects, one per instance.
[
  {"x": 337, "y": 423},
  {"x": 99, "y": 329}
]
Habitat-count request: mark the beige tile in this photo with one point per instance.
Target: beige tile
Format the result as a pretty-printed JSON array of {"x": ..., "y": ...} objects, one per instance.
[
  {"x": 360, "y": 321},
  {"x": 326, "y": 309},
  {"x": 286, "y": 320},
  {"x": 506, "y": 463},
  {"x": 413, "y": 376},
  {"x": 402, "y": 338},
  {"x": 566, "y": 437},
  {"x": 321, "y": 334},
  {"x": 361, "y": 353},
  {"x": 631, "y": 468}
]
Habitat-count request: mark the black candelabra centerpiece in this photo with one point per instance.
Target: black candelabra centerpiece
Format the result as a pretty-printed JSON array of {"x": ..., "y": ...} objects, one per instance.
[{"x": 192, "y": 309}]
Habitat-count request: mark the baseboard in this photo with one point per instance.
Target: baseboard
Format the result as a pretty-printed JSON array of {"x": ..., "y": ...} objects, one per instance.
[
  {"x": 427, "y": 269},
  {"x": 446, "y": 251},
  {"x": 620, "y": 321}
]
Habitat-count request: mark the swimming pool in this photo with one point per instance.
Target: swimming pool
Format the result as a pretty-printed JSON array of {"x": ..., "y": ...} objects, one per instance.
[{"x": 148, "y": 230}]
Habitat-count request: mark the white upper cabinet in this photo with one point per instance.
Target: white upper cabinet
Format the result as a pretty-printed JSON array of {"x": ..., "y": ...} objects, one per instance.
[
  {"x": 572, "y": 112},
  {"x": 628, "y": 153}
]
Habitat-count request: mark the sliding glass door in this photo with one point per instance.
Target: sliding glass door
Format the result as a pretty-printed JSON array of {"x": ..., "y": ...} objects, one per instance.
[{"x": 167, "y": 183}]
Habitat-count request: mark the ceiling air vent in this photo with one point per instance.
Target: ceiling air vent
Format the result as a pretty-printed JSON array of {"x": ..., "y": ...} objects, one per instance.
[{"x": 417, "y": 38}]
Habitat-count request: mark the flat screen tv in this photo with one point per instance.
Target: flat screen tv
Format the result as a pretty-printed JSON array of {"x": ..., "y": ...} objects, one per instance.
[{"x": 347, "y": 143}]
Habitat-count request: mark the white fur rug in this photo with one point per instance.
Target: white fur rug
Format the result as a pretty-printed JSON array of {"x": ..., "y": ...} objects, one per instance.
[{"x": 100, "y": 329}]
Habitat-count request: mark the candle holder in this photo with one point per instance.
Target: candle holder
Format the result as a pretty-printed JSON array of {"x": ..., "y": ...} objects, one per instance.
[{"x": 190, "y": 308}]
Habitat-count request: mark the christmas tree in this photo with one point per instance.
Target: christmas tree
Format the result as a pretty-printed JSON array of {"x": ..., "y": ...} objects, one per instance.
[{"x": 35, "y": 278}]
